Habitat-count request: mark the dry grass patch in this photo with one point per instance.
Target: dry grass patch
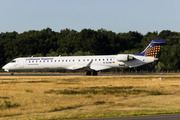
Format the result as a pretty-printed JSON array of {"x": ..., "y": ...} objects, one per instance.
[{"x": 59, "y": 97}]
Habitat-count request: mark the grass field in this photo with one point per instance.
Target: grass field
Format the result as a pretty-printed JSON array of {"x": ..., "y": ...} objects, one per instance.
[{"x": 76, "y": 97}]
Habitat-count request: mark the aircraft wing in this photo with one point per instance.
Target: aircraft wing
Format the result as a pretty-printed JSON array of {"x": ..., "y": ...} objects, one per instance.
[
  {"x": 99, "y": 67},
  {"x": 88, "y": 67},
  {"x": 78, "y": 67}
]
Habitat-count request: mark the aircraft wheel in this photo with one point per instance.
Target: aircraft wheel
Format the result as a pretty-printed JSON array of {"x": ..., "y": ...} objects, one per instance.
[
  {"x": 95, "y": 73},
  {"x": 88, "y": 73}
]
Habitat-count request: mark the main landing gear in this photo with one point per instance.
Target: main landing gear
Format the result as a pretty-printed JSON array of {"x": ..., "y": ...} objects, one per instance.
[
  {"x": 88, "y": 73},
  {"x": 94, "y": 73}
]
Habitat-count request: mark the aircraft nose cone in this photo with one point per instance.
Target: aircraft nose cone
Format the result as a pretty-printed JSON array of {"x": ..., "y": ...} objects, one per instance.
[{"x": 5, "y": 67}]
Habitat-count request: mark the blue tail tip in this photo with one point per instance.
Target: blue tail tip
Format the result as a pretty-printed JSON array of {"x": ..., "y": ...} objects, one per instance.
[{"x": 157, "y": 41}]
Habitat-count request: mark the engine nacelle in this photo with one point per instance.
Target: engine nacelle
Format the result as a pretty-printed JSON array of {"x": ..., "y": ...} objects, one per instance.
[{"x": 124, "y": 58}]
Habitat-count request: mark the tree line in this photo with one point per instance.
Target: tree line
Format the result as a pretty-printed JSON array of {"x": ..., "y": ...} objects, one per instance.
[{"x": 89, "y": 42}]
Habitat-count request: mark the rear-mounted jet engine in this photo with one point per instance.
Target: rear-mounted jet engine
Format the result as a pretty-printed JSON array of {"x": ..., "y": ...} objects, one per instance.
[{"x": 124, "y": 58}]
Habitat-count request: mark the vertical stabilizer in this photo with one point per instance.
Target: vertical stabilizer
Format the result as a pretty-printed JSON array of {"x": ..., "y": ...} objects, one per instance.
[{"x": 153, "y": 48}]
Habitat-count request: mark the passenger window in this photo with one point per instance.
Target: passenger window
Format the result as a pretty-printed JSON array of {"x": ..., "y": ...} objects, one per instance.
[
  {"x": 29, "y": 61},
  {"x": 107, "y": 59},
  {"x": 99, "y": 59},
  {"x": 69, "y": 60},
  {"x": 95, "y": 59},
  {"x": 103, "y": 59},
  {"x": 32, "y": 61},
  {"x": 84, "y": 60},
  {"x": 51, "y": 60},
  {"x": 39, "y": 61},
  {"x": 87, "y": 59},
  {"x": 62, "y": 60},
  {"x": 58, "y": 60},
  {"x": 54, "y": 60},
  {"x": 110, "y": 59},
  {"x": 66, "y": 60}
]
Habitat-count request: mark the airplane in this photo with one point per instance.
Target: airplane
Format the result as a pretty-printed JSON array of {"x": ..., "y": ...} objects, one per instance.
[{"x": 92, "y": 64}]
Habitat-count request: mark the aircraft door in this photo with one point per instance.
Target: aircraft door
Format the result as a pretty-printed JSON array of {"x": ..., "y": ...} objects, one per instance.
[{"x": 21, "y": 63}]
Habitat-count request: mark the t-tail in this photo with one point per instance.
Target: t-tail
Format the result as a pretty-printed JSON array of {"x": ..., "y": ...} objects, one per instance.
[{"x": 153, "y": 48}]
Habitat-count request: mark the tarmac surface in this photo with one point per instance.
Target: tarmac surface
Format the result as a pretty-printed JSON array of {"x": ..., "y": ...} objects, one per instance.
[
  {"x": 79, "y": 74},
  {"x": 155, "y": 117},
  {"x": 43, "y": 74},
  {"x": 63, "y": 74}
]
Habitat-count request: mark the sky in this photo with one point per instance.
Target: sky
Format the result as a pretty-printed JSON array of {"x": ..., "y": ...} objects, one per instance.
[{"x": 118, "y": 16}]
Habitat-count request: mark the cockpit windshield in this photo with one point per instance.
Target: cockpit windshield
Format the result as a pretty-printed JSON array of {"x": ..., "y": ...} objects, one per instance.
[{"x": 13, "y": 61}]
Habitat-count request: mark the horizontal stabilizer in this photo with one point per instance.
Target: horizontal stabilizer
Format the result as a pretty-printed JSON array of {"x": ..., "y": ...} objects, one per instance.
[{"x": 135, "y": 65}]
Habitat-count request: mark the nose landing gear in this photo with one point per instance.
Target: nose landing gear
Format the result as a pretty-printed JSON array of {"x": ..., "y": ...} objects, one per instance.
[{"x": 12, "y": 73}]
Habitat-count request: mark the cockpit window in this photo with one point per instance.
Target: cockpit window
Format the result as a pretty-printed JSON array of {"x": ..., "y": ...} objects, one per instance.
[{"x": 13, "y": 61}]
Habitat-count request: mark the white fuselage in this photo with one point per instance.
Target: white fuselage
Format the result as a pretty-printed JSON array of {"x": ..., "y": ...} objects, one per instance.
[{"x": 89, "y": 63}]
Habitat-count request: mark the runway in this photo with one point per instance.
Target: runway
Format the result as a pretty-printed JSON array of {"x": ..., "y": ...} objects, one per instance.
[
  {"x": 62, "y": 74},
  {"x": 43, "y": 74},
  {"x": 155, "y": 117},
  {"x": 76, "y": 74}
]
